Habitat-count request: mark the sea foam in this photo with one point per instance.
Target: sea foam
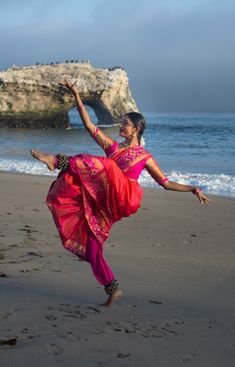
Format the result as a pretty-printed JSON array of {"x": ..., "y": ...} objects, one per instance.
[{"x": 219, "y": 184}]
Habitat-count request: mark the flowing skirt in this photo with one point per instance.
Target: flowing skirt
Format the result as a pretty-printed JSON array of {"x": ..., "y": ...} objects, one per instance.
[{"x": 85, "y": 200}]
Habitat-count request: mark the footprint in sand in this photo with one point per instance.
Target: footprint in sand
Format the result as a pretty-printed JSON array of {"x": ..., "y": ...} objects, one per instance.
[
  {"x": 122, "y": 355},
  {"x": 55, "y": 349},
  {"x": 177, "y": 321},
  {"x": 28, "y": 229},
  {"x": 50, "y": 317},
  {"x": 3, "y": 275},
  {"x": 129, "y": 330},
  {"x": 155, "y": 302},
  {"x": 31, "y": 253},
  {"x": 70, "y": 311},
  {"x": 8, "y": 341},
  {"x": 168, "y": 326},
  {"x": 134, "y": 328},
  {"x": 94, "y": 309},
  {"x": 75, "y": 314}
]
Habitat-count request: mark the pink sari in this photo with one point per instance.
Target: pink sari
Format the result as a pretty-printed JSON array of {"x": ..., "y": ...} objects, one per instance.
[{"x": 89, "y": 197}]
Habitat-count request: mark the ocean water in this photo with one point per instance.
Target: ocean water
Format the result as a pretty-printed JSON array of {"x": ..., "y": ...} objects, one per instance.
[{"x": 197, "y": 149}]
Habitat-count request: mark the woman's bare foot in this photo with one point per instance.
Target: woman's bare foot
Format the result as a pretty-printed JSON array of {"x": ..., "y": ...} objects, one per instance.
[
  {"x": 118, "y": 294},
  {"x": 48, "y": 159}
]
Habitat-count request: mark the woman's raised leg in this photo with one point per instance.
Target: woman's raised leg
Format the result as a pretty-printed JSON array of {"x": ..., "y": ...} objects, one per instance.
[
  {"x": 59, "y": 161},
  {"x": 48, "y": 159}
]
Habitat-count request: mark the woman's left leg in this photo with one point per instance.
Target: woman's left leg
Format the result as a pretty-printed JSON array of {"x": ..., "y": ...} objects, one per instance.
[{"x": 101, "y": 270}]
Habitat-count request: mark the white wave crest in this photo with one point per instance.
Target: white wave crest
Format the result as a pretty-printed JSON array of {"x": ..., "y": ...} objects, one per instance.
[
  {"x": 28, "y": 167},
  {"x": 219, "y": 184}
]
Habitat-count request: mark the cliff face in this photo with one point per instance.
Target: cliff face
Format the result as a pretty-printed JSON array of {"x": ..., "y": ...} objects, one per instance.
[{"x": 31, "y": 97}]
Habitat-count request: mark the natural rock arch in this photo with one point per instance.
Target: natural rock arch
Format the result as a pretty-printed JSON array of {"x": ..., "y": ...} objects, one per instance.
[{"x": 30, "y": 96}]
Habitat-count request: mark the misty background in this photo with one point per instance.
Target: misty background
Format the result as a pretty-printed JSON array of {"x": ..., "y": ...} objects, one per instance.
[{"x": 179, "y": 55}]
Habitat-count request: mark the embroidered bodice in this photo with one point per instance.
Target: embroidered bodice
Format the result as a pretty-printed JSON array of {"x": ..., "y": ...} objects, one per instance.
[{"x": 131, "y": 160}]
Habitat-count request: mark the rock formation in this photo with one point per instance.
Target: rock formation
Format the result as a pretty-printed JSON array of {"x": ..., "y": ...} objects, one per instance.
[{"x": 31, "y": 97}]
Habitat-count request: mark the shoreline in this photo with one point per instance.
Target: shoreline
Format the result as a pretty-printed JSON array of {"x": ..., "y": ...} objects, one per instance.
[
  {"x": 174, "y": 260},
  {"x": 53, "y": 177}
]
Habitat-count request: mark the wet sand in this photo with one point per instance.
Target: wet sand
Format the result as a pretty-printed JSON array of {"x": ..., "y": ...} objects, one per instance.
[{"x": 174, "y": 260}]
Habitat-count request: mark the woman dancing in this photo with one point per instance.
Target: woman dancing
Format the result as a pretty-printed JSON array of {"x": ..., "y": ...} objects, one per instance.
[{"x": 91, "y": 193}]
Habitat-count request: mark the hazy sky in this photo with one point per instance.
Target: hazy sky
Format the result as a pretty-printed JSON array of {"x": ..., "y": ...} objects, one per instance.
[{"x": 179, "y": 55}]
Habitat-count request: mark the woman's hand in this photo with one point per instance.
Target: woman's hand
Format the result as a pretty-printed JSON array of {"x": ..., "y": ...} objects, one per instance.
[
  {"x": 202, "y": 198},
  {"x": 80, "y": 106},
  {"x": 70, "y": 86}
]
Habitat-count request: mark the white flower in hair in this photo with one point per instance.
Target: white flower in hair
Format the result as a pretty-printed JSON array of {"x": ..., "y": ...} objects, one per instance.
[{"x": 142, "y": 141}]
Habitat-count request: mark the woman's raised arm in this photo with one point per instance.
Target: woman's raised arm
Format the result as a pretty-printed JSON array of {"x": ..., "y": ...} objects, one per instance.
[
  {"x": 99, "y": 136},
  {"x": 80, "y": 106}
]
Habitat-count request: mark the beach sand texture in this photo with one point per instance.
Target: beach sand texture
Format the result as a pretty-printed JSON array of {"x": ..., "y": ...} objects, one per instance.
[{"x": 175, "y": 263}]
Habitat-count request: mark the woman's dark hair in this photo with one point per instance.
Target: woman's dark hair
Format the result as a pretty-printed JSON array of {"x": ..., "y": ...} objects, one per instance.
[{"x": 138, "y": 120}]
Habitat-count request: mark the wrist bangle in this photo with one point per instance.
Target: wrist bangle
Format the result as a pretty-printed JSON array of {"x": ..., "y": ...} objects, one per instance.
[
  {"x": 196, "y": 191},
  {"x": 165, "y": 179}
]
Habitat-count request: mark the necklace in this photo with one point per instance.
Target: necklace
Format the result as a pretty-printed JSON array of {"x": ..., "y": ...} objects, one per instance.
[{"x": 127, "y": 145}]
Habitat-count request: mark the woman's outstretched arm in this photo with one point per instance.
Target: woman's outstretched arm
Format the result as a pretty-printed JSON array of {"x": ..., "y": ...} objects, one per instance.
[
  {"x": 102, "y": 139},
  {"x": 158, "y": 175}
]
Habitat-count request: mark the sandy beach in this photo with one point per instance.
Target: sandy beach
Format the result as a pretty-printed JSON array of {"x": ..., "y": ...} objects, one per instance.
[{"x": 175, "y": 263}]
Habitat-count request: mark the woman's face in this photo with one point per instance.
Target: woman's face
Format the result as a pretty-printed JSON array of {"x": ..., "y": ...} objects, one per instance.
[{"x": 127, "y": 128}]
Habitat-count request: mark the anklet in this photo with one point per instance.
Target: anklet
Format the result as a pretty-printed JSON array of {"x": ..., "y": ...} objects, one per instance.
[
  {"x": 111, "y": 288},
  {"x": 62, "y": 161}
]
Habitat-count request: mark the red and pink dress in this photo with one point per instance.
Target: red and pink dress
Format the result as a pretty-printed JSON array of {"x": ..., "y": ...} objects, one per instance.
[{"x": 93, "y": 193}]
